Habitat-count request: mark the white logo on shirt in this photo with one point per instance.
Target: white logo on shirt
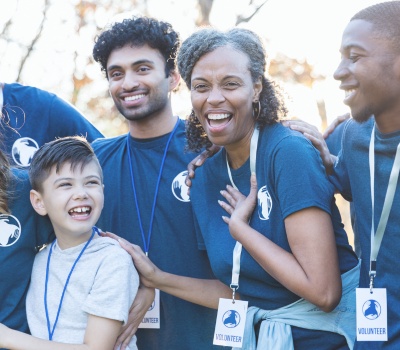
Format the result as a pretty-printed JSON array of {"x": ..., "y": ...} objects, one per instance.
[
  {"x": 23, "y": 150},
  {"x": 10, "y": 230},
  {"x": 179, "y": 188},
  {"x": 264, "y": 203}
]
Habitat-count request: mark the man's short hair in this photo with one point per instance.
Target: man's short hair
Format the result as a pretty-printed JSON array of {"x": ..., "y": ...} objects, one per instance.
[
  {"x": 73, "y": 150},
  {"x": 138, "y": 31},
  {"x": 385, "y": 18}
]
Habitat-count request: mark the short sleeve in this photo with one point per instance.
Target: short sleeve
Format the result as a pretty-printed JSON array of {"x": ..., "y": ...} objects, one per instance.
[
  {"x": 299, "y": 177},
  {"x": 114, "y": 288},
  {"x": 68, "y": 121},
  {"x": 340, "y": 177}
]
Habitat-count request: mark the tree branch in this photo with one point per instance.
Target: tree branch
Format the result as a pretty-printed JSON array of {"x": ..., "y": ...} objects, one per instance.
[
  {"x": 241, "y": 19},
  {"x": 31, "y": 46}
]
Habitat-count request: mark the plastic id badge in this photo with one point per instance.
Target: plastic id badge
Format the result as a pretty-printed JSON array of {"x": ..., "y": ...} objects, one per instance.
[
  {"x": 371, "y": 314},
  {"x": 231, "y": 319},
  {"x": 152, "y": 317}
]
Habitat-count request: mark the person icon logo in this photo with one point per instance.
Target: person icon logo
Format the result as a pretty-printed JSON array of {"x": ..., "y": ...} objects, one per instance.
[
  {"x": 10, "y": 230},
  {"x": 371, "y": 309},
  {"x": 179, "y": 188},
  {"x": 23, "y": 150},
  {"x": 152, "y": 306},
  {"x": 264, "y": 203},
  {"x": 231, "y": 319}
]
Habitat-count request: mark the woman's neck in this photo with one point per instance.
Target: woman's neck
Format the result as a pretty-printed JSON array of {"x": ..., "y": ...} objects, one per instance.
[{"x": 239, "y": 152}]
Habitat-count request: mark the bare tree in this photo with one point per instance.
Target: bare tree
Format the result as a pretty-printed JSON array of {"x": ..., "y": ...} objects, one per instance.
[
  {"x": 204, "y": 13},
  {"x": 241, "y": 19},
  {"x": 31, "y": 46}
]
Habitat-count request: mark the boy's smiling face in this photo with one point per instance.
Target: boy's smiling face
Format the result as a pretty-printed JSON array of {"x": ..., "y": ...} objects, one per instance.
[{"x": 73, "y": 199}]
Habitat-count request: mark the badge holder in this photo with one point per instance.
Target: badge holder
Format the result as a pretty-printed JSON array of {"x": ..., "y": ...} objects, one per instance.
[
  {"x": 152, "y": 317},
  {"x": 372, "y": 302},
  {"x": 231, "y": 317}
]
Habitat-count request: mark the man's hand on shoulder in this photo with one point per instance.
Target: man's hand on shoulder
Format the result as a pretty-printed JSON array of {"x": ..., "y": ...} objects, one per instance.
[
  {"x": 198, "y": 162},
  {"x": 316, "y": 138},
  {"x": 331, "y": 128}
]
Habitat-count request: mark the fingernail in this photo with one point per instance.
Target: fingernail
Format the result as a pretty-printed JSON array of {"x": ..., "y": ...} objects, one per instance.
[
  {"x": 120, "y": 241},
  {"x": 285, "y": 123},
  {"x": 219, "y": 202},
  {"x": 222, "y": 192},
  {"x": 198, "y": 163}
]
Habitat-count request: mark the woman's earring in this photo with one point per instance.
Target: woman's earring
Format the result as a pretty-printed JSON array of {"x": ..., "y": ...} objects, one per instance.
[{"x": 257, "y": 109}]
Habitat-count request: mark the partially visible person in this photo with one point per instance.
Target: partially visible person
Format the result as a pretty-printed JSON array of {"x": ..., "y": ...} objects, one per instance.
[
  {"x": 86, "y": 270},
  {"x": 369, "y": 73},
  {"x": 297, "y": 270},
  {"x": 144, "y": 176},
  {"x": 22, "y": 232},
  {"x": 333, "y": 138},
  {"x": 33, "y": 117}
]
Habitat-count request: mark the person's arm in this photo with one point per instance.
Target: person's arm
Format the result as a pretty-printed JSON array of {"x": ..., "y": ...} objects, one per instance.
[
  {"x": 143, "y": 300},
  {"x": 100, "y": 334},
  {"x": 203, "y": 292},
  {"x": 312, "y": 269}
]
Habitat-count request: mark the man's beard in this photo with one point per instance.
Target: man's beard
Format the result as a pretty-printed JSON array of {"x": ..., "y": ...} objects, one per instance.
[
  {"x": 364, "y": 115},
  {"x": 155, "y": 104}
]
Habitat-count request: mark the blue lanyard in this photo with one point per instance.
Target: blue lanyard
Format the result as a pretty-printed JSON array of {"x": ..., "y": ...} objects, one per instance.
[
  {"x": 95, "y": 229},
  {"x": 146, "y": 245}
]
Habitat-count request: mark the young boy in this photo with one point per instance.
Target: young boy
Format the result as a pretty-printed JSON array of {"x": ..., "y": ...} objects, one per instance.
[{"x": 87, "y": 283}]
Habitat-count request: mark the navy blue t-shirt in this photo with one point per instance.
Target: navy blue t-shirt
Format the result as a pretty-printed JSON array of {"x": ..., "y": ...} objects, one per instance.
[
  {"x": 21, "y": 232},
  {"x": 334, "y": 143},
  {"x": 351, "y": 177},
  {"x": 290, "y": 177},
  {"x": 173, "y": 245},
  {"x": 36, "y": 117}
]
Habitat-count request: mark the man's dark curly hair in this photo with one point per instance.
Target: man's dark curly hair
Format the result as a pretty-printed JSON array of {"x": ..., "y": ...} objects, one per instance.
[
  {"x": 203, "y": 41},
  {"x": 138, "y": 31},
  {"x": 385, "y": 18}
]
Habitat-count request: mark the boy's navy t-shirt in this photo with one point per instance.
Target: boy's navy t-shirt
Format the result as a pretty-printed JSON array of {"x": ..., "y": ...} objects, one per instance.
[
  {"x": 290, "y": 177},
  {"x": 351, "y": 177},
  {"x": 173, "y": 245},
  {"x": 35, "y": 117},
  {"x": 21, "y": 232}
]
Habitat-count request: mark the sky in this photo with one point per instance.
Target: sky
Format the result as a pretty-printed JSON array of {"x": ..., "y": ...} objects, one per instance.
[{"x": 303, "y": 29}]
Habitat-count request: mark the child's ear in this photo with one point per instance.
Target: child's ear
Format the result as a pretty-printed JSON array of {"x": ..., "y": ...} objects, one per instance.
[{"x": 37, "y": 203}]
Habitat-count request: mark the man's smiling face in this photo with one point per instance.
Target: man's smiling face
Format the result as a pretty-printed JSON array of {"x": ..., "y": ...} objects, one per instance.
[
  {"x": 137, "y": 81},
  {"x": 367, "y": 71}
]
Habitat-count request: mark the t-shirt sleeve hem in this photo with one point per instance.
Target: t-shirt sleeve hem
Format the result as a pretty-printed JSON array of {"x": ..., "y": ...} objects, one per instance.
[
  {"x": 299, "y": 206},
  {"x": 110, "y": 314}
]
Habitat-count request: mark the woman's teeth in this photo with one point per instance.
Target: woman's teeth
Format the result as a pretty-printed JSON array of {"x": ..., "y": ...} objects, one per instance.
[
  {"x": 218, "y": 116},
  {"x": 80, "y": 211},
  {"x": 133, "y": 98},
  {"x": 349, "y": 92}
]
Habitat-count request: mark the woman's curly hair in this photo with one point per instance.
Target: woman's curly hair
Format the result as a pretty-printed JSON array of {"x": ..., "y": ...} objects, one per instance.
[
  {"x": 138, "y": 31},
  {"x": 206, "y": 40},
  {"x": 5, "y": 178}
]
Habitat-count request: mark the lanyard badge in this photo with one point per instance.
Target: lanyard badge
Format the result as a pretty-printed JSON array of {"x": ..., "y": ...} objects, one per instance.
[
  {"x": 51, "y": 331},
  {"x": 372, "y": 302},
  {"x": 152, "y": 317},
  {"x": 231, "y": 317}
]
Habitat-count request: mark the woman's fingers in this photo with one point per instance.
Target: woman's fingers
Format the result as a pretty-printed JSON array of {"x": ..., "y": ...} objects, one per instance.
[
  {"x": 232, "y": 201},
  {"x": 226, "y": 206},
  {"x": 252, "y": 197},
  {"x": 226, "y": 219}
]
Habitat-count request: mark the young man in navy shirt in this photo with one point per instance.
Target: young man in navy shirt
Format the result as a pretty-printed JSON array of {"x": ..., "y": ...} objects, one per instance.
[
  {"x": 33, "y": 117},
  {"x": 369, "y": 73},
  {"x": 138, "y": 58}
]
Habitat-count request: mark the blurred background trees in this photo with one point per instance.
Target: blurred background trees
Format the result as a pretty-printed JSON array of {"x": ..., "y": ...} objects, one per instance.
[{"x": 59, "y": 30}]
